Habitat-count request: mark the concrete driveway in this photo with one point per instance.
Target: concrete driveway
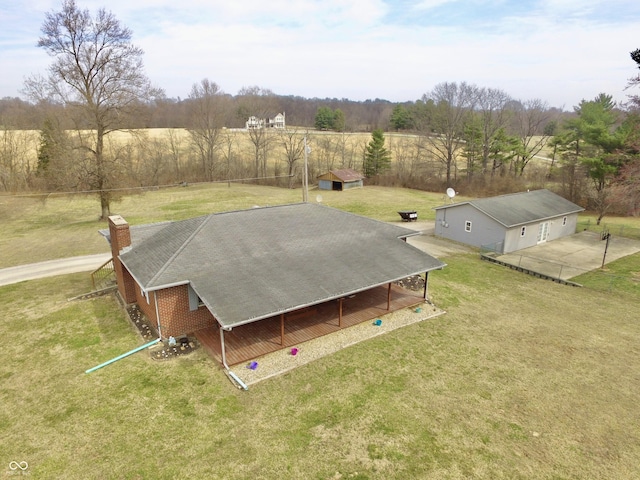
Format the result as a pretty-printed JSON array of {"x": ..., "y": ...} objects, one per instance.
[
  {"x": 429, "y": 243},
  {"x": 569, "y": 257},
  {"x": 63, "y": 266}
]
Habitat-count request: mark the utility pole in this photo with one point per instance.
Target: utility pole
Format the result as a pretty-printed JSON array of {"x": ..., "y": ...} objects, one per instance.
[{"x": 305, "y": 176}]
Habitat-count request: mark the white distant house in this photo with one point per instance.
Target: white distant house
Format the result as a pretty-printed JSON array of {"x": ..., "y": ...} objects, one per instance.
[
  {"x": 277, "y": 121},
  {"x": 254, "y": 123},
  {"x": 507, "y": 223}
]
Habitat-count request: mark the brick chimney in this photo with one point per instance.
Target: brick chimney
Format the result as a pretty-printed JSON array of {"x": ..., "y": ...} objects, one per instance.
[{"x": 120, "y": 239}]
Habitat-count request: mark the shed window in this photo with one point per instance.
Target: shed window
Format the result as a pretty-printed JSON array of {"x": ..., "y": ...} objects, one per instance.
[
  {"x": 467, "y": 226},
  {"x": 523, "y": 231},
  {"x": 564, "y": 221}
]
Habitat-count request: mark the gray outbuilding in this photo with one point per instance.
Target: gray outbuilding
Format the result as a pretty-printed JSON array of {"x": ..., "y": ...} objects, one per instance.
[{"x": 507, "y": 223}]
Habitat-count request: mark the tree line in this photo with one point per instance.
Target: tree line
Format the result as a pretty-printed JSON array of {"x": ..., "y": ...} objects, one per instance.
[{"x": 456, "y": 135}]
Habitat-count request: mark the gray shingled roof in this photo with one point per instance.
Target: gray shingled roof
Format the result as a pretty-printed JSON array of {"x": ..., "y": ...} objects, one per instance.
[
  {"x": 522, "y": 208},
  {"x": 253, "y": 264}
]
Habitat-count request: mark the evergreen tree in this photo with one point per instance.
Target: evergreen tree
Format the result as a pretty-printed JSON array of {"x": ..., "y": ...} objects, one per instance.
[
  {"x": 400, "y": 118},
  {"x": 324, "y": 118},
  {"x": 377, "y": 158},
  {"x": 53, "y": 143},
  {"x": 338, "y": 120},
  {"x": 327, "y": 119},
  {"x": 592, "y": 142}
]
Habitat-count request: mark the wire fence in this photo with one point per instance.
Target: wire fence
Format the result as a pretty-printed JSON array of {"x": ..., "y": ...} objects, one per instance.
[
  {"x": 618, "y": 230},
  {"x": 597, "y": 279}
]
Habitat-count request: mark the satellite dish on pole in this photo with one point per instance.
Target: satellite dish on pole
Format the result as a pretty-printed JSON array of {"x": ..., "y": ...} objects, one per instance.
[{"x": 451, "y": 193}]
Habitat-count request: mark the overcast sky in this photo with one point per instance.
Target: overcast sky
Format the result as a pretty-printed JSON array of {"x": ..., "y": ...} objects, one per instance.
[{"x": 559, "y": 51}]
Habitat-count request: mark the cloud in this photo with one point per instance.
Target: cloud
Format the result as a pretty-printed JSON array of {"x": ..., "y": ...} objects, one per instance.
[{"x": 557, "y": 50}]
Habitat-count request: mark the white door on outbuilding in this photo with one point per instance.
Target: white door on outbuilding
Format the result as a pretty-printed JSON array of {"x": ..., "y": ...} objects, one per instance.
[{"x": 543, "y": 232}]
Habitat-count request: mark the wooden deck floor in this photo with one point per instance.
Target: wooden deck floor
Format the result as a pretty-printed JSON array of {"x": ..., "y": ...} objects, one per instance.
[{"x": 253, "y": 340}]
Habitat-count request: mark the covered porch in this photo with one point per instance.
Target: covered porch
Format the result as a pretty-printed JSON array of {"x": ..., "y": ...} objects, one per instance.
[{"x": 253, "y": 340}]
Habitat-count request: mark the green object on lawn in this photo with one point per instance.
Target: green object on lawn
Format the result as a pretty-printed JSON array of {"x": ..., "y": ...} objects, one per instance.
[{"x": 120, "y": 357}]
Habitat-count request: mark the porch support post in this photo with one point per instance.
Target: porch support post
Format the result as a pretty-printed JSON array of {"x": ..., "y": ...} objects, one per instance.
[
  {"x": 340, "y": 312},
  {"x": 389, "y": 297},
  {"x": 426, "y": 282},
  {"x": 282, "y": 329}
]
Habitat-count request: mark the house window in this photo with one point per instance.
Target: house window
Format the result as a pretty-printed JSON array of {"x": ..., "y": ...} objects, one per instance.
[
  {"x": 564, "y": 221},
  {"x": 523, "y": 231},
  {"x": 467, "y": 226}
]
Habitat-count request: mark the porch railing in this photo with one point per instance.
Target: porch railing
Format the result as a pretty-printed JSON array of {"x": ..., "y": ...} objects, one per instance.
[{"x": 104, "y": 275}]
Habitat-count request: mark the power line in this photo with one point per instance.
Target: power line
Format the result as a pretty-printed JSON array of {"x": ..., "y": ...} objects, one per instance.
[{"x": 149, "y": 187}]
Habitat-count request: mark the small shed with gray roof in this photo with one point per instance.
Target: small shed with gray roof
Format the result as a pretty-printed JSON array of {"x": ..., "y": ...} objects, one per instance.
[
  {"x": 507, "y": 223},
  {"x": 237, "y": 268},
  {"x": 340, "y": 180}
]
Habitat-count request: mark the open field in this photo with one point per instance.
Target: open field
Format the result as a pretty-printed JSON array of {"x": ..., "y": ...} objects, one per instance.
[
  {"x": 520, "y": 379},
  {"x": 325, "y": 146}
]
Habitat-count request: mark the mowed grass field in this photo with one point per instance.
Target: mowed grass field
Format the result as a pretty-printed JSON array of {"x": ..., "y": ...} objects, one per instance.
[{"x": 521, "y": 378}]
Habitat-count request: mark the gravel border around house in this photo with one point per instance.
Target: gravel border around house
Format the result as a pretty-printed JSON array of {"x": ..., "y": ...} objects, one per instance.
[{"x": 282, "y": 361}]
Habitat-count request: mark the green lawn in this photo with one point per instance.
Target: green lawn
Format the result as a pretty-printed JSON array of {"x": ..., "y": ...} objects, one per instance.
[
  {"x": 521, "y": 378},
  {"x": 622, "y": 275}
]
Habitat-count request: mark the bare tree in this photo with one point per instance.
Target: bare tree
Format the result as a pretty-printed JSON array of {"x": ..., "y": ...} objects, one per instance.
[
  {"x": 228, "y": 150},
  {"x": 152, "y": 157},
  {"x": 494, "y": 115},
  {"x": 206, "y": 120},
  {"x": 634, "y": 100},
  {"x": 293, "y": 143},
  {"x": 97, "y": 73},
  {"x": 406, "y": 160},
  {"x": 260, "y": 139},
  {"x": 453, "y": 104},
  {"x": 174, "y": 145},
  {"x": 328, "y": 151},
  {"x": 531, "y": 118},
  {"x": 258, "y": 102},
  {"x": 16, "y": 166}
]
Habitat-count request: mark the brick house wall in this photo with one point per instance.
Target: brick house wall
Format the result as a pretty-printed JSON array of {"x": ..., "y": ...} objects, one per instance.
[
  {"x": 148, "y": 308},
  {"x": 176, "y": 319},
  {"x": 175, "y": 316}
]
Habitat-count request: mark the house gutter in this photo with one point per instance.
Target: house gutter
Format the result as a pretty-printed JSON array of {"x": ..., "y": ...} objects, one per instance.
[
  {"x": 167, "y": 285},
  {"x": 232, "y": 375}
]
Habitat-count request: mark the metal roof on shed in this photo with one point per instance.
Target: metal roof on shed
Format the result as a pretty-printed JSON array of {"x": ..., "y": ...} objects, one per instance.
[
  {"x": 521, "y": 208},
  {"x": 253, "y": 264},
  {"x": 344, "y": 175}
]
